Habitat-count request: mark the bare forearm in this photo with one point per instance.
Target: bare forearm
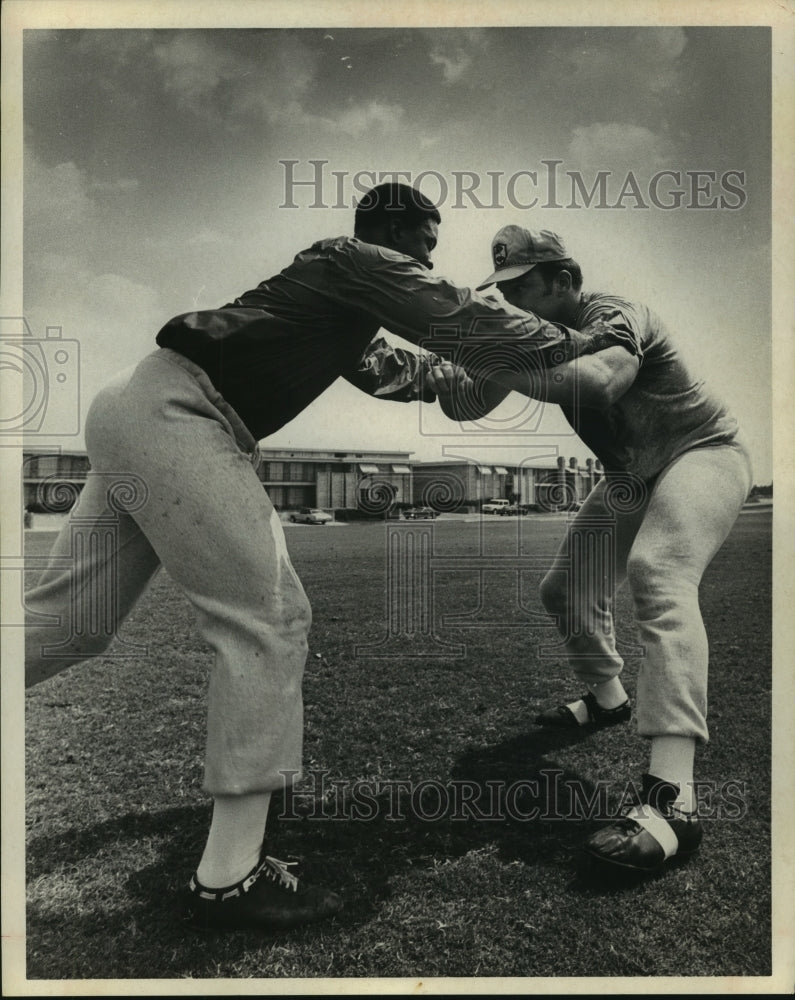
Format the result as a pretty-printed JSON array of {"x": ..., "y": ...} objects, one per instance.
[{"x": 594, "y": 381}]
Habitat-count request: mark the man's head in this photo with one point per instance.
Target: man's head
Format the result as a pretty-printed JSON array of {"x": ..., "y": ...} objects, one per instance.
[
  {"x": 533, "y": 271},
  {"x": 400, "y": 218}
]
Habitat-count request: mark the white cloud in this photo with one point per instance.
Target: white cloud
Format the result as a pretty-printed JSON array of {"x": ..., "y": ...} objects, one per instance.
[
  {"x": 228, "y": 86},
  {"x": 355, "y": 120},
  {"x": 117, "y": 47},
  {"x": 613, "y": 145},
  {"x": 375, "y": 114},
  {"x": 113, "y": 295},
  {"x": 639, "y": 61},
  {"x": 55, "y": 197},
  {"x": 658, "y": 50},
  {"x": 119, "y": 185},
  {"x": 455, "y": 51},
  {"x": 660, "y": 44},
  {"x": 453, "y": 66},
  {"x": 192, "y": 67},
  {"x": 113, "y": 319}
]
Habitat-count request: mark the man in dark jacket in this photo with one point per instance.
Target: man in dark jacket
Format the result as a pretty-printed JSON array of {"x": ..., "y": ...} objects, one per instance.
[{"x": 172, "y": 444}]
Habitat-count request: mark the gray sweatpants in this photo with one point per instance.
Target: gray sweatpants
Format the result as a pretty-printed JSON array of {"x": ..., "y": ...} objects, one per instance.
[
  {"x": 173, "y": 475},
  {"x": 659, "y": 539}
]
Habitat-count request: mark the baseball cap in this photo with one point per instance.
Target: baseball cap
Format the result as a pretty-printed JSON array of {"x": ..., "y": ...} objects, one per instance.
[{"x": 515, "y": 251}]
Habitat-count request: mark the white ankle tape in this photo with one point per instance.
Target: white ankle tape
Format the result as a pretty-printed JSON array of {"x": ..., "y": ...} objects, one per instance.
[
  {"x": 653, "y": 823},
  {"x": 579, "y": 710}
]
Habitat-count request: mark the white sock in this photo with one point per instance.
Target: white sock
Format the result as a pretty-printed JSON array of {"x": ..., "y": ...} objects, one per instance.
[
  {"x": 672, "y": 760},
  {"x": 235, "y": 839},
  {"x": 609, "y": 694}
]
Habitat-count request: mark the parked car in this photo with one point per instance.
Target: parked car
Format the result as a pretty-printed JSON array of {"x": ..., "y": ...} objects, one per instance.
[
  {"x": 508, "y": 508},
  {"x": 311, "y": 515},
  {"x": 419, "y": 513},
  {"x": 494, "y": 506}
]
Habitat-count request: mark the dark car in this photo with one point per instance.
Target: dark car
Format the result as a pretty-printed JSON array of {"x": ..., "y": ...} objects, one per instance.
[{"x": 420, "y": 513}]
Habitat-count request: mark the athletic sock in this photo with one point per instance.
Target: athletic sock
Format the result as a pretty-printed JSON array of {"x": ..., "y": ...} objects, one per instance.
[
  {"x": 234, "y": 842},
  {"x": 609, "y": 694},
  {"x": 672, "y": 760}
]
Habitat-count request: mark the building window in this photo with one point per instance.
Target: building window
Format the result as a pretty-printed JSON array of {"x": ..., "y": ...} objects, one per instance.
[
  {"x": 298, "y": 496},
  {"x": 48, "y": 466},
  {"x": 275, "y": 471},
  {"x": 277, "y": 498}
]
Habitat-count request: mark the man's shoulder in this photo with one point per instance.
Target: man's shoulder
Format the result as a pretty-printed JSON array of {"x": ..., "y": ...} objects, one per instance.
[
  {"x": 350, "y": 247},
  {"x": 593, "y": 301},
  {"x": 615, "y": 309},
  {"x": 322, "y": 248}
]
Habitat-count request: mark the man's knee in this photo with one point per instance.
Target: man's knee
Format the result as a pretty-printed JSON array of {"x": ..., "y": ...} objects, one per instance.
[
  {"x": 656, "y": 585},
  {"x": 46, "y": 656}
]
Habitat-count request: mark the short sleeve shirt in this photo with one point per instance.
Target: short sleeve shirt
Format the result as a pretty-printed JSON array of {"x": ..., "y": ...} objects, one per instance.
[{"x": 666, "y": 411}]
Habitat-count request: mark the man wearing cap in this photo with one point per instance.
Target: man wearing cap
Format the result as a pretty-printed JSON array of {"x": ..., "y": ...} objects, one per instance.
[{"x": 677, "y": 473}]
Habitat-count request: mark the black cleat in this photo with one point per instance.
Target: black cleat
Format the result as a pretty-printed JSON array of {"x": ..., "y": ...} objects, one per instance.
[
  {"x": 649, "y": 836},
  {"x": 270, "y": 898},
  {"x": 562, "y": 716}
]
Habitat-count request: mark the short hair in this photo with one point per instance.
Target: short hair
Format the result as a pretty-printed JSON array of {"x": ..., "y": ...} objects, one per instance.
[
  {"x": 386, "y": 201},
  {"x": 551, "y": 268}
]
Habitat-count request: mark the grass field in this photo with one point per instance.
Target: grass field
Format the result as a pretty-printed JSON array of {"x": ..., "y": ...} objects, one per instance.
[{"x": 116, "y": 819}]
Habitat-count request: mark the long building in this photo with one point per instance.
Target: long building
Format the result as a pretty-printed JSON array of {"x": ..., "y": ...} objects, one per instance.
[
  {"x": 336, "y": 480},
  {"x": 368, "y": 481},
  {"x": 548, "y": 485}
]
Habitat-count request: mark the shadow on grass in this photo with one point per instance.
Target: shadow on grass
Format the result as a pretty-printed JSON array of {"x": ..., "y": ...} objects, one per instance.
[{"x": 357, "y": 840}]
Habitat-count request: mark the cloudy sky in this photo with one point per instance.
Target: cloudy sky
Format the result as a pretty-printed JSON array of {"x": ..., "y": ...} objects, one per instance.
[{"x": 156, "y": 182}]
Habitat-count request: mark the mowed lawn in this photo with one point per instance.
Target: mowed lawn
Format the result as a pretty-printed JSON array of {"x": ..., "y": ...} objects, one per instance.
[{"x": 473, "y": 873}]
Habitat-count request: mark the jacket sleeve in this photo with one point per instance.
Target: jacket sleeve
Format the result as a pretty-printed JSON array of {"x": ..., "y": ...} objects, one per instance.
[
  {"x": 393, "y": 373},
  {"x": 455, "y": 323}
]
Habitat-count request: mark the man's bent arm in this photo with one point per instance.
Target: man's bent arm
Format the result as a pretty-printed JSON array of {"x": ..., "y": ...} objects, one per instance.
[{"x": 594, "y": 381}]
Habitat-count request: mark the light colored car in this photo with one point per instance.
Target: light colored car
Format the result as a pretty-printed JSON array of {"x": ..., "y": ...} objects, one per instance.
[
  {"x": 311, "y": 515},
  {"x": 508, "y": 509},
  {"x": 495, "y": 506}
]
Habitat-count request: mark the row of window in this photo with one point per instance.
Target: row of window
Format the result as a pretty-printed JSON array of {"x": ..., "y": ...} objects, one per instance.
[
  {"x": 43, "y": 466},
  {"x": 282, "y": 472},
  {"x": 290, "y": 497}
]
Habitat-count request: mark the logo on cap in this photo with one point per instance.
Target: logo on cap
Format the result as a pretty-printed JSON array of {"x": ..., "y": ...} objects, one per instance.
[{"x": 500, "y": 252}]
